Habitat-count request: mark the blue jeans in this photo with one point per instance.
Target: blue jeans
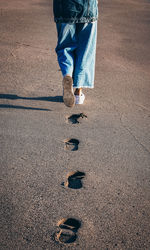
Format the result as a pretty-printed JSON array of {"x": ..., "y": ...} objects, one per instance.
[{"x": 76, "y": 50}]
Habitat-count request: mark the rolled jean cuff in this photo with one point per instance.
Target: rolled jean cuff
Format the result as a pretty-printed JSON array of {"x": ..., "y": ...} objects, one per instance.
[{"x": 84, "y": 87}]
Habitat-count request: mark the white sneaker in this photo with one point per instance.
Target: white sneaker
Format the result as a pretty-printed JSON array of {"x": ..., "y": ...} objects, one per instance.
[{"x": 79, "y": 99}]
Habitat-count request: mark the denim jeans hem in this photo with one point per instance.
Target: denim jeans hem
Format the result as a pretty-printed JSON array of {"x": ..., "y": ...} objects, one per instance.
[
  {"x": 83, "y": 87},
  {"x": 67, "y": 73}
]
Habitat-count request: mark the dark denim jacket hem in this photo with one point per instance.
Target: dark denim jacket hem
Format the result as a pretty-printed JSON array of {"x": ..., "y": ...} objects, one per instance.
[
  {"x": 75, "y": 20},
  {"x": 75, "y": 11}
]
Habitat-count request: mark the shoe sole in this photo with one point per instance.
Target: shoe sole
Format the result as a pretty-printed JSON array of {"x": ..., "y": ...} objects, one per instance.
[{"x": 68, "y": 95}]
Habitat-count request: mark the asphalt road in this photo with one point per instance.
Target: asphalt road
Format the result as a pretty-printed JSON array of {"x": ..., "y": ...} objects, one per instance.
[{"x": 109, "y": 202}]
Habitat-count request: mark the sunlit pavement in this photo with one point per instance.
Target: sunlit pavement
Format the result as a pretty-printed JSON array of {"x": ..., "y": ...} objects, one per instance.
[{"x": 89, "y": 164}]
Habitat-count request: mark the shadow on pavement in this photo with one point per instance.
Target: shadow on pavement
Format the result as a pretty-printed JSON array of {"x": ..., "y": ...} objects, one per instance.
[
  {"x": 7, "y": 106},
  {"x": 40, "y": 98}
]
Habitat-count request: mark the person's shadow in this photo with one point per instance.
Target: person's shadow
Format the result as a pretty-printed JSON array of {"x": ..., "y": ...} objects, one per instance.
[{"x": 41, "y": 98}]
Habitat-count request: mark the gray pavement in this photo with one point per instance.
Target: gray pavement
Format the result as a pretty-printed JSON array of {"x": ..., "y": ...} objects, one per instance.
[{"x": 113, "y": 206}]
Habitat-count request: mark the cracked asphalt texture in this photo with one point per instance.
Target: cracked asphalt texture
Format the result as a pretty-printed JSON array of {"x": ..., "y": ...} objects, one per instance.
[{"x": 114, "y": 150}]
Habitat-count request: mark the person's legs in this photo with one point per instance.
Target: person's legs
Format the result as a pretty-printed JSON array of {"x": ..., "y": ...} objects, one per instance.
[
  {"x": 84, "y": 68},
  {"x": 65, "y": 52},
  {"x": 76, "y": 49}
]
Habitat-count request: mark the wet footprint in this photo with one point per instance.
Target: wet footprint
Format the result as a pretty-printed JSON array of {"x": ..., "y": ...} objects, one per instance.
[
  {"x": 74, "y": 180},
  {"x": 68, "y": 229},
  {"x": 74, "y": 119},
  {"x": 71, "y": 144}
]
